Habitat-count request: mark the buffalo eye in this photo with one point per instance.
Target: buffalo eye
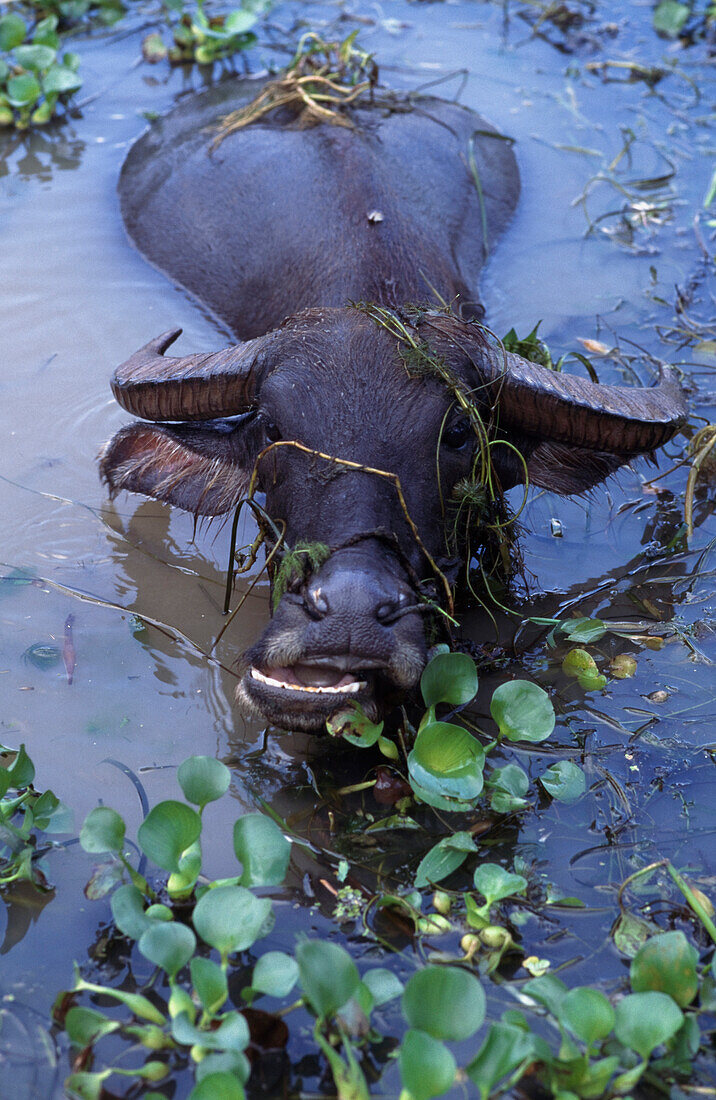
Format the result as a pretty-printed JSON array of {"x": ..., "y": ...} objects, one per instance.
[
  {"x": 457, "y": 434},
  {"x": 272, "y": 430}
]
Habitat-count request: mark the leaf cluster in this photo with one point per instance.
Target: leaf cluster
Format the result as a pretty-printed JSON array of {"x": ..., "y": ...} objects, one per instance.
[
  {"x": 26, "y": 814},
  {"x": 34, "y": 78},
  {"x": 202, "y": 37}
]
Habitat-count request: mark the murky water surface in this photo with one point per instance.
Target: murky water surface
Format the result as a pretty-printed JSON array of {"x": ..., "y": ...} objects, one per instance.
[{"x": 75, "y": 299}]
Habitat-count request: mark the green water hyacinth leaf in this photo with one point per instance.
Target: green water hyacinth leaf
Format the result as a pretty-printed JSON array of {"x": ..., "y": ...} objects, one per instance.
[
  {"x": 218, "y": 1086},
  {"x": 449, "y": 678},
  {"x": 88, "y": 1086},
  {"x": 329, "y": 976},
  {"x": 549, "y": 990},
  {"x": 495, "y": 883},
  {"x": 666, "y": 964},
  {"x": 135, "y": 1002},
  {"x": 23, "y": 90},
  {"x": 505, "y": 1051},
  {"x": 670, "y": 17},
  {"x": 446, "y": 763},
  {"x": 169, "y": 945},
  {"x": 427, "y": 1067},
  {"x": 84, "y": 1026},
  {"x": 37, "y": 58},
  {"x": 12, "y": 31},
  {"x": 225, "y": 1061},
  {"x": 232, "y": 1033},
  {"x": 564, "y": 781},
  {"x": 447, "y": 855},
  {"x": 587, "y": 1014},
  {"x": 643, "y": 1021},
  {"x": 275, "y": 974},
  {"x": 128, "y": 911},
  {"x": 583, "y": 630},
  {"x": 230, "y": 918},
  {"x": 60, "y": 79},
  {"x": 103, "y": 831},
  {"x": 383, "y": 984},
  {"x": 239, "y": 22},
  {"x": 523, "y": 711},
  {"x": 509, "y": 785},
  {"x": 210, "y": 983},
  {"x": 203, "y": 779},
  {"x": 353, "y": 725},
  {"x": 46, "y": 33},
  {"x": 445, "y": 1001},
  {"x": 167, "y": 831},
  {"x": 262, "y": 850}
]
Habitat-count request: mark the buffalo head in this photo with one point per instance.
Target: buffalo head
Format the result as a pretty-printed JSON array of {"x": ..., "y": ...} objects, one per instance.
[{"x": 358, "y": 452}]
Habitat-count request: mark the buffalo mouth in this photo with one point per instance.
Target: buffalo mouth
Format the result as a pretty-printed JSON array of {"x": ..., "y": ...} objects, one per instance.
[{"x": 305, "y": 694}]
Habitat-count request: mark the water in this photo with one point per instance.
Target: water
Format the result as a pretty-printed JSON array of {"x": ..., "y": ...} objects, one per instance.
[{"x": 75, "y": 299}]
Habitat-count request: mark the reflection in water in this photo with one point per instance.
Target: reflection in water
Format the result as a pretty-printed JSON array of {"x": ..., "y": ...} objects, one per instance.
[{"x": 36, "y": 155}]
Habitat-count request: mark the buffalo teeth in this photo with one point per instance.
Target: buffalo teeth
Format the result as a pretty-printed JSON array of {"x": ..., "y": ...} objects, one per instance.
[{"x": 345, "y": 689}]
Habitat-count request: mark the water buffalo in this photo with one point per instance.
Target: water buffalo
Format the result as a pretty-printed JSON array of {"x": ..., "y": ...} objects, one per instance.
[{"x": 280, "y": 230}]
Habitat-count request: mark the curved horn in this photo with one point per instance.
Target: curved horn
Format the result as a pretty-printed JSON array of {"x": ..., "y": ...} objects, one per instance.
[
  {"x": 568, "y": 409},
  {"x": 190, "y": 387}
]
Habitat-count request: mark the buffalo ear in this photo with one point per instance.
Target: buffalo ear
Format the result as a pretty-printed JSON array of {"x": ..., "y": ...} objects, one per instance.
[
  {"x": 204, "y": 470},
  {"x": 565, "y": 469}
]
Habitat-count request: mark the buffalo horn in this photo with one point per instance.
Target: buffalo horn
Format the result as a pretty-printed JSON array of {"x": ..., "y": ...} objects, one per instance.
[
  {"x": 190, "y": 387},
  {"x": 568, "y": 409}
]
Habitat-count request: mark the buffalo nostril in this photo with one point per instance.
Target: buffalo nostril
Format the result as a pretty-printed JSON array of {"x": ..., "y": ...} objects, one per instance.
[
  {"x": 391, "y": 609},
  {"x": 316, "y": 603}
]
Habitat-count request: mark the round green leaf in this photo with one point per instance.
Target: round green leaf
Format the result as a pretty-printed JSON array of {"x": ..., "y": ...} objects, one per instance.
[
  {"x": 203, "y": 779},
  {"x": 103, "y": 831},
  {"x": 23, "y": 90},
  {"x": 444, "y": 858},
  {"x": 239, "y": 21},
  {"x": 262, "y": 850},
  {"x": 167, "y": 831},
  {"x": 230, "y": 918},
  {"x": 383, "y": 984},
  {"x": 46, "y": 33},
  {"x": 503, "y": 1051},
  {"x": 670, "y": 17},
  {"x": 232, "y": 1034},
  {"x": 168, "y": 944},
  {"x": 329, "y": 976},
  {"x": 84, "y": 1026},
  {"x": 666, "y": 964},
  {"x": 12, "y": 32},
  {"x": 587, "y": 1014},
  {"x": 643, "y": 1021},
  {"x": 447, "y": 761},
  {"x": 523, "y": 711},
  {"x": 445, "y": 1001},
  {"x": 34, "y": 57},
  {"x": 209, "y": 981},
  {"x": 495, "y": 883},
  {"x": 427, "y": 1067},
  {"x": 60, "y": 79},
  {"x": 564, "y": 781},
  {"x": 449, "y": 678},
  {"x": 275, "y": 974},
  {"x": 218, "y": 1086},
  {"x": 128, "y": 911}
]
